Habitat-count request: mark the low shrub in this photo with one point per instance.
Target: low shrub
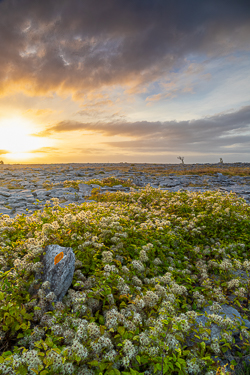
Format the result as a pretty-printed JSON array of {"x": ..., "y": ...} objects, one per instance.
[{"x": 147, "y": 262}]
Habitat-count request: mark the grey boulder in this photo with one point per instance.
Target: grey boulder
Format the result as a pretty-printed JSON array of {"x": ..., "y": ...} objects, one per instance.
[
  {"x": 59, "y": 275},
  {"x": 85, "y": 189},
  {"x": 226, "y": 312}
]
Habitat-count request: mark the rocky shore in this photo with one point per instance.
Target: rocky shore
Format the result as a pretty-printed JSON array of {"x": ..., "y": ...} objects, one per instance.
[{"x": 26, "y": 188}]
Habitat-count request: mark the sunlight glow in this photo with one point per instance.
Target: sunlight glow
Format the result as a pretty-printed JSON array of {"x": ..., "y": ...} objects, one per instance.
[
  {"x": 15, "y": 137},
  {"x": 19, "y": 156}
]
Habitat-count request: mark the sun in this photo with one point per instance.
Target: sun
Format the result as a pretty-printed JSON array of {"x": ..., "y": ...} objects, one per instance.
[{"x": 16, "y": 138}]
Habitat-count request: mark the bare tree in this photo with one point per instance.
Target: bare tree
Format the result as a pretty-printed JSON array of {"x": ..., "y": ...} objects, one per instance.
[{"x": 181, "y": 158}]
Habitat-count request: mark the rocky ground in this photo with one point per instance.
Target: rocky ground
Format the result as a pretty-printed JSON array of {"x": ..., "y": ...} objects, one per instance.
[{"x": 22, "y": 185}]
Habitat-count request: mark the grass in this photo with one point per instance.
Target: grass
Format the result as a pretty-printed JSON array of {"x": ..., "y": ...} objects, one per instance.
[
  {"x": 146, "y": 266},
  {"x": 112, "y": 181},
  {"x": 107, "y": 181},
  {"x": 200, "y": 170}
]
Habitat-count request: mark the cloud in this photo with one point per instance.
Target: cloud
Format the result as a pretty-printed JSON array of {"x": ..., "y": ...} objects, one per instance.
[
  {"x": 65, "y": 126},
  {"x": 39, "y": 112},
  {"x": 226, "y": 131},
  {"x": 45, "y": 150},
  {"x": 89, "y": 151},
  {"x": 2, "y": 152},
  {"x": 75, "y": 46}
]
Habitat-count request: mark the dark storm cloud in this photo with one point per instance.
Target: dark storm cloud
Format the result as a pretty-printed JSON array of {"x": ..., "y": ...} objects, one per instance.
[
  {"x": 223, "y": 131},
  {"x": 77, "y": 45}
]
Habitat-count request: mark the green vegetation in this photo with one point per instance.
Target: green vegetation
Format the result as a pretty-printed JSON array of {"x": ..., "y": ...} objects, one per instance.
[
  {"x": 196, "y": 169},
  {"x": 107, "y": 181},
  {"x": 237, "y": 169},
  {"x": 147, "y": 262},
  {"x": 112, "y": 181}
]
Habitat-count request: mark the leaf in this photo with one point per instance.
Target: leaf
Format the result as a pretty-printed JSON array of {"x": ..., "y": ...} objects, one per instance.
[
  {"x": 48, "y": 361},
  {"x": 144, "y": 360},
  {"x": 238, "y": 303},
  {"x": 138, "y": 359},
  {"x": 38, "y": 344},
  {"x": 17, "y": 327},
  {"x": 121, "y": 330},
  {"x": 22, "y": 370},
  {"x": 158, "y": 366},
  {"x": 49, "y": 342},
  {"x": 7, "y": 354},
  {"x": 178, "y": 365},
  {"x": 23, "y": 326},
  {"x": 171, "y": 366},
  {"x": 182, "y": 361},
  {"x": 203, "y": 345},
  {"x": 78, "y": 358},
  {"x": 102, "y": 329},
  {"x": 101, "y": 319},
  {"x": 93, "y": 363},
  {"x": 165, "y": 368},
  {"x": 57, "y": 350},
  {"x": 44, "y": 372}
]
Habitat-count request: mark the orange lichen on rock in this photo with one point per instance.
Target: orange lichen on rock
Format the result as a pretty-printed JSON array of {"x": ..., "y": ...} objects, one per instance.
[{"x": 58, "y": 257}]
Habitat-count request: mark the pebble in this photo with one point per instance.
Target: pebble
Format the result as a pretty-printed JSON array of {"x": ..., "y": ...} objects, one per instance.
[{"x": 25, "y": 188}]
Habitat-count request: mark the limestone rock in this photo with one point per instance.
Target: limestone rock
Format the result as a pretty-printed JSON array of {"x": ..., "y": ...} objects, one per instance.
[
  {"x": 4, "y": 210},
  {"x": 59, "y": 267},
  {"x": 226, "y": 312},
  {"x": 85, "y": 189},
  {"x": 5, "y": 193}
]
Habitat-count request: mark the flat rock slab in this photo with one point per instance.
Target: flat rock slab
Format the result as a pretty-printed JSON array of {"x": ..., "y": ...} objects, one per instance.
[
  {"x": 4, "y": 210},
  {"x": 4, "y": 193},
  {"x": 226, "y": 312},
  {"x": 85, "y": 189},
  {"x": 59, "y": 275},
  {"x": 31, "y": 178}
]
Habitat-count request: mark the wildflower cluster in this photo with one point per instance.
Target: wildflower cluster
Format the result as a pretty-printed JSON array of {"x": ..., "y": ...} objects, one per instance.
[{"x": 148, "y": 265}]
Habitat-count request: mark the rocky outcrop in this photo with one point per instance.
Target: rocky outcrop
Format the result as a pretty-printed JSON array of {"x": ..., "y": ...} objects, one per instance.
[
  {"x": 59, "y": 267},
  {"x": 225, "y": 312},
  {"x": 44, "y": 183},
  {"x": 85, "y": 190},
  {"x": 232, "y": 322}
]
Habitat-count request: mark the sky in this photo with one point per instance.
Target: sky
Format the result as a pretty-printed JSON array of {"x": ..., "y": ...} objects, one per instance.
[{"x": 142, "y": 81}]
